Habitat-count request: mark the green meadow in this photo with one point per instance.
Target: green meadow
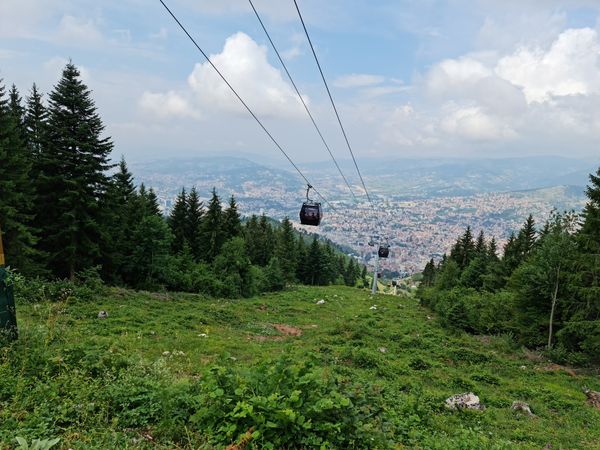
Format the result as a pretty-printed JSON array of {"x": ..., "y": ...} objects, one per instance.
[{"x": 169, "y": 370}]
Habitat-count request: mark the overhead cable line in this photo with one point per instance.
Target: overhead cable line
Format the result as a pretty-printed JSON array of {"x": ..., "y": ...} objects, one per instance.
[
  {"x": 244, "y": 103},
  {"x": 302, "y": 99},
  {"x": 333, "y": 104}
]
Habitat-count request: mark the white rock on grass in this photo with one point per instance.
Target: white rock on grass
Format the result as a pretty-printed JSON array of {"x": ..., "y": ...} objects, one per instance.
[
  {"x": 203, "y": 335},
  {"x": 102, "y": 315},
  {"x": 373, "y": 307},
  {"x": 522, "y": 406},
  {"x": 321, "y": 302},
  {"x": 468, "y": 400}
]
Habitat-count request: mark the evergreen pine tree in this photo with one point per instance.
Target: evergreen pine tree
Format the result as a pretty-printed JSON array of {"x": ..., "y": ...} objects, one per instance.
[
  {"x": 152, "y": 203},
  {"x": 493, "y": 250},
  {"x": 72, "y": 179},
  {"x": 588, "y": 262},
  {"x": 480, "y": 246},
  {"x": 429, "y": 273},
  {"x": 266, "y": 239},
  {"x": 36, "y": 117},
  {"x": 526, "y": 238},
  {"x": 285, "y": 250},
  {"x": 512, "y": 256},
  {"x": 177, "y": 222},
  {"x": 232, "y": 224},
  {"x": 17, "y": 110},
  {"x": 120, "y": 222},
  {"x": 211, "y": 232},
  {"x": 16, "y": 198},
  {"x": 193, "y": 223},
  {"x": 315, "y": 266}
]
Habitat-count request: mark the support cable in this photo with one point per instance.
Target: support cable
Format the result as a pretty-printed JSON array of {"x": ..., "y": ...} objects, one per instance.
[
  {"x": 333, "y": 104},
  {"x": 244, "y": 103},
  {"x": 302, "y": 99}
]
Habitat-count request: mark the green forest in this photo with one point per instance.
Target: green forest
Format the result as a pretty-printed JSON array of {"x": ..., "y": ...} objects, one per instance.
[
  {"x": 543, "y": 289},
  {"x": 67, "y": 212}
]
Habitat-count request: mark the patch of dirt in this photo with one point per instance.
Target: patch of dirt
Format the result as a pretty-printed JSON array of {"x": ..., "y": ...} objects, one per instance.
[
  {"x": 484, "y": 339},
  {"x": 266, "y": 338},
  {"x": 557, "y": 368},
  {"x": 287, "y": 330},
  {"x": 160, "y": 296},
  {"x": 533, "y": 356}
]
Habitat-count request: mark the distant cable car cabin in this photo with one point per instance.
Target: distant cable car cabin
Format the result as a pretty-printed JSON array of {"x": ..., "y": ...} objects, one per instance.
[
  {"x": 311, "y": 212},
  {"x": 384, "y": 251}
]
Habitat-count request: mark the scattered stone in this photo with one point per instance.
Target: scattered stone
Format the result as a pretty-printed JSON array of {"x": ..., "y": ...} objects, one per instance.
[
  {"x": 203, "y": 335},
  {"x": 321, "y": 302},
  {"x": 382, "y": 349},
  {"x": 102, "y": 315},
  {"x": 523, "y": 367},
  {"x": 468, "y": 400},
  {"x": 593, "y": 397},
  {"x": 428, "y": 317},
  {"x": 178, "y": 353},
  {"x": 522, "y": 406},
  {"x": 166, "y": 353},
  {"x": 373, "y": 307}
]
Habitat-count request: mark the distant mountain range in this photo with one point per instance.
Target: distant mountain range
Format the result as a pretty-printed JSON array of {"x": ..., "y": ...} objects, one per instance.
[
  {"x": 395, "y": 178},
  {"x": 412, "y": 178},
  {"x": 223, "y": 172}
]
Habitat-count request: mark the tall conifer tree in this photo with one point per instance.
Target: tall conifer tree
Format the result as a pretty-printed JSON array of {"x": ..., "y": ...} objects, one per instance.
[
  {"x": 285, "y": 250},
  {"x": 177, "y": 222},
  {"x": 212, "y": 236},
  {"x": 232, "y": 224},
  {"x": 193, "y": 223},
  {"x": 15, "y": 187},
  {"x": 72, "y": 179}
]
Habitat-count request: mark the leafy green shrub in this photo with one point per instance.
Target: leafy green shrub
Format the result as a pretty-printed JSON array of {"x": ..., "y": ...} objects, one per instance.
[
  {"x": 418, "y": 363},
  {"x": 581, "y": 337},
  {"x": 283, "y": 404},
  {"x": 36, "y": 444},
  {"x": 87, "y": 286}
]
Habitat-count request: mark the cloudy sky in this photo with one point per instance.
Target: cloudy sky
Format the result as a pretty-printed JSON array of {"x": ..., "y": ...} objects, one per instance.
[{"x": 411, "y": 77}]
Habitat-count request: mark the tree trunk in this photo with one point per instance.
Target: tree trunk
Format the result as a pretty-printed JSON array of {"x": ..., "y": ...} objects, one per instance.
[{"x": 554, "y": 297}]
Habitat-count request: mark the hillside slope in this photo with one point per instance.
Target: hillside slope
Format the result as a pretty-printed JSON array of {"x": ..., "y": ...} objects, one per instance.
[{"x": 139, "y": 378}]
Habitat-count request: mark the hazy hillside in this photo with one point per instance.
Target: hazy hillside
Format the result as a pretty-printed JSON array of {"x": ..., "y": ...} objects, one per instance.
[{"x": 401, "y": 178}]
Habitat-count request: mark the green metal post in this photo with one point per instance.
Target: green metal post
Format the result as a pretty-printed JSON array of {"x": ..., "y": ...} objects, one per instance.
[{"x": 8, "y": 312}]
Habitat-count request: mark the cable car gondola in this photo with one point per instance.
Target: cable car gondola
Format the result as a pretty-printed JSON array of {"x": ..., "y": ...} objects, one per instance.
[
  {"x": 311, "y": 212},
  {"x": 384, "y": 250}
]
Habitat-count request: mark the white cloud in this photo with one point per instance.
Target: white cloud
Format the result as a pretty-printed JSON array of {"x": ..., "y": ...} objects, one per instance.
[
  {"x": 170, "y": 104},
  {"x": 79, "y": 31},
  {"x": 475, "y": 124},
  {"x": 355, "y": 80},
  {"x": 455, "y": 73},
  {"x": 244, "y": 63},
  {"x": 571, "y": 66}
]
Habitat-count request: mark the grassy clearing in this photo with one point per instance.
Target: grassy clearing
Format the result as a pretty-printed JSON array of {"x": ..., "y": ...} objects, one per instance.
[{"x": 146, "y": 377}]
